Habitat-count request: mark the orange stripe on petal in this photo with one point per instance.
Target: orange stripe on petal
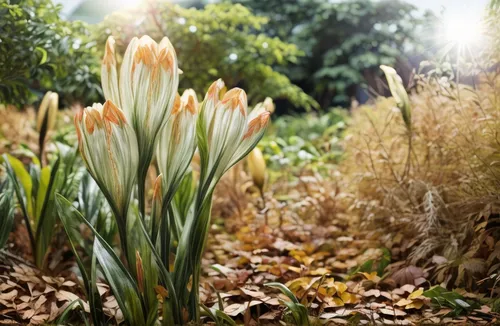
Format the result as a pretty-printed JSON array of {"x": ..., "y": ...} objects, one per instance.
[
  {"x": 157, "y": 188},
  {"x": 257, "y": 124},
  {"x": 166, "y": 60},
  {"x": 78, "y": 120},
  {"x": 109, "y": 53},
  {"x": 113, "y": 114},
  {"x": 214, "y": 91},
  {"x": 191, "y": 105},
  {"x": 89, "y": 123},
  {"x": 177, "y": 104},
  {"x": 236, "y": 98}
]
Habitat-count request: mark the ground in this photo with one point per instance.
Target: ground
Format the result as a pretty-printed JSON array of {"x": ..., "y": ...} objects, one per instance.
[{"x": 317, "y": 258}]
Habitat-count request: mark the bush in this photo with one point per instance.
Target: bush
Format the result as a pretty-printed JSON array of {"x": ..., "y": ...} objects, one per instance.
[
  {"x": 40, "y": 51},
  {"x": 221, "y": 40}
]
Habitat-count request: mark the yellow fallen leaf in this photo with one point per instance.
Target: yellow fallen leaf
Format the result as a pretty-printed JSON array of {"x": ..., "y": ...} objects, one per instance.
[
  {"x": 348, "y": 297},
  {"x": 295, "y": 269},
  {"x": 320, "y": 271},
  {"x": 340, "y": 287},
  {"x": 307, "y": 260},
  {"x": 415, "y": 305},
  {"x": 334, "y": 302},
  {"x": 372, "y": 276},
  {"x": 296, "y": 284},
  {"x": 416, "y": 294}
]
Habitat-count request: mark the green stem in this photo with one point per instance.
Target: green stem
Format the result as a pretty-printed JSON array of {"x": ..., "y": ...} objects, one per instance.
[
  {"x": 141, "y": 187},
  {"x": 122, "y": 232}
]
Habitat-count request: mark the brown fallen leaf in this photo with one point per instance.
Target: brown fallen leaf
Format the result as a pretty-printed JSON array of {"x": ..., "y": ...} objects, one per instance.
[
  {"x": 372, "y": 293},
  {"x": 392, "y": 312}
]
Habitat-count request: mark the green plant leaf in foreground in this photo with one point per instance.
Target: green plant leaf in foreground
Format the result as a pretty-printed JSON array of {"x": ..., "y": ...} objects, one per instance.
[
  {"x": 298, "y": 310},
  {"x": 71, "y": 222},
  {"x": 6, "y": 212},
  {"x": 48, "y": 217},
  {"x": 20, "y": 198},
  {"x": 25, "y": 180},
  {"x": 121, "y": 282}
]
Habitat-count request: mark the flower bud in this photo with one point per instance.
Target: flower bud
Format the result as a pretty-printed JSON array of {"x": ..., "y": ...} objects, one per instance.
[
  {"x": 177, "y": 141},
  {"x": 225, "y": 133},
  {"x": 257, "y": 168},
  {"x": 109, "y": 148},
  {"x": 47, "y": 112},
  {"x": 145, "y": 87}
]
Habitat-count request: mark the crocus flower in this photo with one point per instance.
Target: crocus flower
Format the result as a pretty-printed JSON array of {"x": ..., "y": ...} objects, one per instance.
[
  {"x": 109, "y": 148},
  {"x": 226, "y": 133},
  {"x": 178, "y": 141},
  {"x": 145, "y": 87}
]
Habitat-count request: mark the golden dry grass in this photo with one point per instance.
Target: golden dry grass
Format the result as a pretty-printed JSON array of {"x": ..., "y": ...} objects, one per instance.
[{"x": 437, "y": 205}]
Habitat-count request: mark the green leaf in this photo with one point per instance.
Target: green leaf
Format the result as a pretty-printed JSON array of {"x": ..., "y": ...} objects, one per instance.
[
  {"x": 67, "y": 313},
  {"x": 218, "y": 316},
  {"x": 25, "y": 180},
  {"x": 43, "y": 52},
  {"x": 42, "y": 191},
  {"x": 71, "y": 223},
  {"x": 20, "y": 198},
  {"x": 6, "y": 213},
  {"x": 121, "y": 282},
  {"x": 385, "y": 260},
  {"x": 48, "y": 218},
  {"x": 119, "y": 279},
  {"x": 283, "y": 289},
  {"x": 298, "y": 310}
]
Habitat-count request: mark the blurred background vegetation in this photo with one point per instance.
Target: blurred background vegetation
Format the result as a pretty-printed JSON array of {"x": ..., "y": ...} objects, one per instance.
[{"x": 305, "y": 54}]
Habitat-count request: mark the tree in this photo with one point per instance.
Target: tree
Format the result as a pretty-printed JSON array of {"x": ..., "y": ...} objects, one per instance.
[
  {"x": 39, "y": 51},
  {"x": 219, "y": 41},
  {"x": 344, "y": 42}
]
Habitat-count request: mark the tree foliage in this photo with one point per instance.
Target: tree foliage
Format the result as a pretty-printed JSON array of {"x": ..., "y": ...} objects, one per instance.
[
  {"x": 344, "y": 41},
  {"x": 39, "y": 51},
  {"x": 219, "y": 41}
]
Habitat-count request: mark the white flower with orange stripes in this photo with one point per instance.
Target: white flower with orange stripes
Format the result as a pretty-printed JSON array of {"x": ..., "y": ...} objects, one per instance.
[
  {"x": 177, "y": 141},
  {"x": 226, "y": 133},
  {"x": 109, "y": 148},
  {"x": 145, "y": 87}
]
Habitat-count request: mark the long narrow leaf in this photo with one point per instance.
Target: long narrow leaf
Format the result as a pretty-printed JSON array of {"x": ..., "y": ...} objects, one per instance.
[
  {"x": 24, "y": 178},
  {"x": 20, "y": 198},
  {"x": 6, "y": 214},
  {"x": 71, "y": 224},
  {"x": 121, "y": 282},
  {"x": 47, "y": 219}
]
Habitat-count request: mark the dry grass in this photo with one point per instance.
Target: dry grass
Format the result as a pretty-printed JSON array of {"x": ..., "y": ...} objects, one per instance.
[{"x": 440, "y": 200}]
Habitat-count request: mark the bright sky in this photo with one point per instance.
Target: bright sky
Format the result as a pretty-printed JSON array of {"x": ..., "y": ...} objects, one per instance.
[{"x": 460, "y": 8}]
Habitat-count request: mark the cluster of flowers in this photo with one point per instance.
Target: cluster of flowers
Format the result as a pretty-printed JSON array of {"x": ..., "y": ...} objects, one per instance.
[{"x": 143, "y": 114}]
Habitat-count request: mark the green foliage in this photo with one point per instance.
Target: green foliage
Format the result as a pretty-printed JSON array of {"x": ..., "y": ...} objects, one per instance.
[
  {"x": 6, "y": 212},
  {"x": 307, "y": 139},
  {"x": 458, "y": 303},
  {"x": 374, "y": 265},
  {"x": 125, "y": 288},
  {"x": 344, "y": 41},
  {"x": 35, "y": 186},
  {"x": 297, "y": 310},
  {"x": 220, "y": 41},
  {"x": 40, "y": 51}
]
